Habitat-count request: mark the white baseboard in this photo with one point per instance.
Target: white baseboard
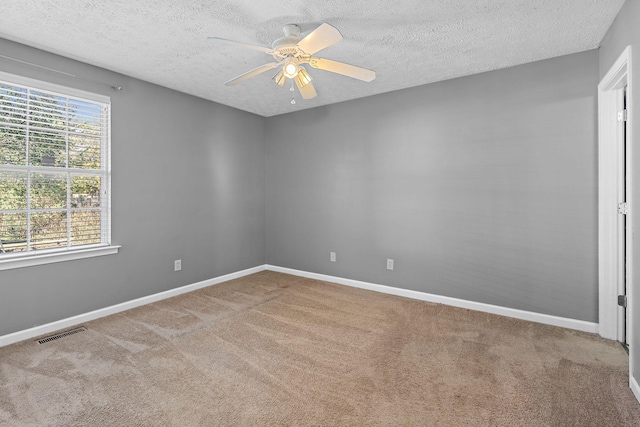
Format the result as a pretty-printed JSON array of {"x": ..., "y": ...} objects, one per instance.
[
  {"x": 82, "y": 318},
  {"x": 635, "y": 387},
  {"x": 36, "y": 331},
  {"x": 563, "y": 322}
]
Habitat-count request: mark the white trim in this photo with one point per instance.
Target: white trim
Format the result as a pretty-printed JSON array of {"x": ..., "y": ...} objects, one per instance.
[
  {"x": 563, "y": 322},
  {"x": 487, "y": 308},
  {"x": 635, "y": 387},
  {"x": 30, "y": 259},
  {"x": 631, "y": 286},
  {"x": 48, "y": 256},
  {"x": 610, "y": 318},
  {"x": 92, "y": 315},
  {"x": 608, "y": 197}
]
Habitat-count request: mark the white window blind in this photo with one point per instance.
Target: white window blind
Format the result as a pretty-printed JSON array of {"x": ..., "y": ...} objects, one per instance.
[{"x": 54, "y": 168}]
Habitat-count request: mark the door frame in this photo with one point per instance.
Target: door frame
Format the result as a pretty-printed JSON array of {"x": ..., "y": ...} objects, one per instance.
[{"x": 609, "y": 173}]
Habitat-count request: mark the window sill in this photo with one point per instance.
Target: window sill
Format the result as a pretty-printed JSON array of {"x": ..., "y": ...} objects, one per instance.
[{"x": 9, "y": 262}]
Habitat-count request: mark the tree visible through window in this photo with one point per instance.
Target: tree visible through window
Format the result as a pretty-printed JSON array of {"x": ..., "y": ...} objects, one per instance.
[{"x": 54, "y": 169}]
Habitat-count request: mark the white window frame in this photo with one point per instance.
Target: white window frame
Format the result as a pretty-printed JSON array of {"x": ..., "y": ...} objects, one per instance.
[{"x": 47, "y": 256}]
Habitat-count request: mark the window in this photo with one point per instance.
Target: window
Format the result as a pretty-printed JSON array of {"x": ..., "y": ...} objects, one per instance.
[{"x": 54, "y": 172}]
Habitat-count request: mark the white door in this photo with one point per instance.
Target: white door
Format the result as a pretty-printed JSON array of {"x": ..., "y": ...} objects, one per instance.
[{"x": 623, "y": 226}]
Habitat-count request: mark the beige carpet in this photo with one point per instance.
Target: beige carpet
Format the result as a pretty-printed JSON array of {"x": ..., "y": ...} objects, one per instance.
[{"x": 273, "y": 349}]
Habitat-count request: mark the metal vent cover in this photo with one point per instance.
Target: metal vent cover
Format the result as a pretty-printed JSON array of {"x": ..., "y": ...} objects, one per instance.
[{"x": 61, "y": 335}]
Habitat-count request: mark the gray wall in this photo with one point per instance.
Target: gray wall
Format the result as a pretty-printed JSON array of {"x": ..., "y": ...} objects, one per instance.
[
  {"x": 625, "y": 31},
  {"x": 481, "y": 188},
  {"x": 188, "y": 183}
]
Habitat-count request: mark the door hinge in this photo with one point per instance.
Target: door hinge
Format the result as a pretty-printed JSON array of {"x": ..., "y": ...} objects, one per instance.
[
  {"x": 622, "y": 115},
  {"x": 623, "y": 209},
  {"x": 622, "y": 301}
]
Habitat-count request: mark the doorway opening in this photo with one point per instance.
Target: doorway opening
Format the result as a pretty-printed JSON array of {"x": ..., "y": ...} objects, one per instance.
[{"x": 623, "y": 219}]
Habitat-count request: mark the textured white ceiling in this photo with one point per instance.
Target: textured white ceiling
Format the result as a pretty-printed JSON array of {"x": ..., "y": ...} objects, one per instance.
[{"x": 407, "y": 42}]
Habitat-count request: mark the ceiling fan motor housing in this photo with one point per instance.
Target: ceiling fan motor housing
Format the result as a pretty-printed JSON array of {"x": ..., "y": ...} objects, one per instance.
[{"x": 287, "y": 46}]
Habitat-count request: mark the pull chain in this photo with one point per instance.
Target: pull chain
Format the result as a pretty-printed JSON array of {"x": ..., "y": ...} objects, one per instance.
[{"x": 292, "y": 89}]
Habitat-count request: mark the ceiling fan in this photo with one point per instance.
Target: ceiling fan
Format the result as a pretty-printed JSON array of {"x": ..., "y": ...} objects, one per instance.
[{"x": 291, "y": 52}]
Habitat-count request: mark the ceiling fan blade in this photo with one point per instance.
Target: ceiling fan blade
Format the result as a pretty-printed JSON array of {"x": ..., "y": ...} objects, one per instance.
[
  {"x": 307, "y": 91},
  {"x": 342, "y": 68},
  {"x": 245, "y": 45},
  {"x": 246, "y": 76},
  {"x": 320, "y": 38}
]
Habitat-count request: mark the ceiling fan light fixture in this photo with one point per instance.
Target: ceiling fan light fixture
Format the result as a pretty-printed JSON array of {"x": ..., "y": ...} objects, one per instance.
[
  {"x": 303, "y": 78},
  {"x": 291, "y": 52},
  {"x": 280, "y": 78},
  {"x": 290, "y": 69}
]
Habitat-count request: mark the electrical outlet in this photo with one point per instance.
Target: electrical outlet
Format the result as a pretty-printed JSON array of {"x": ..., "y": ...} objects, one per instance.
[
  {"x": 177, "y": 265},
  {"x": 332, "y": 256},
  {"x": 389, "y": 264}
]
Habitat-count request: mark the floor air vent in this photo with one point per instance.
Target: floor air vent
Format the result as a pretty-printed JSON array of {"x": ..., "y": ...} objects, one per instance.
[{"x": 61, "y": 335}]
